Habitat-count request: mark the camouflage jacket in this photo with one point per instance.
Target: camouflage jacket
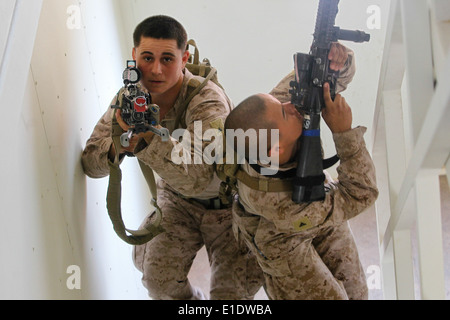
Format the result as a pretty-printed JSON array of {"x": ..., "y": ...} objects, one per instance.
[
  {"x": 355, "y": 191},
  {"x": 209, "y": 109}
]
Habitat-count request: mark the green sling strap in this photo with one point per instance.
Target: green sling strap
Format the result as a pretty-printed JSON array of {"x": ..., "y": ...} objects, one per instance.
[
  {"x": 203, "y": 69},
  {"x": 114, "y": 197},
  {"x": 230, "y": 173}
]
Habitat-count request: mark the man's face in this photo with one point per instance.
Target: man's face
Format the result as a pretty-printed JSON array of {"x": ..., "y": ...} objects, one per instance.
[
  {"x": 290, "y": 125},
  {"x": 161, "y": 64}
]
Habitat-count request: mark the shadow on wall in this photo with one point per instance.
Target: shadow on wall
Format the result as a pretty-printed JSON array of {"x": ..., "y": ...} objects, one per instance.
[
  {"x": 72, "y": 89},
  {"x": 61, "y": 108}
]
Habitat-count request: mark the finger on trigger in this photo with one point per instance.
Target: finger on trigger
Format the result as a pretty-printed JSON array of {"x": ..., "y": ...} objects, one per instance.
[{"x": 326, "y": 91}]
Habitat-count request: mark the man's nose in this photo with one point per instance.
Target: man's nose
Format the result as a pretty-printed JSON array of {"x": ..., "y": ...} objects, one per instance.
[
  {"x": 156, "y": 68},
  {"x": 290, "y": 108}
]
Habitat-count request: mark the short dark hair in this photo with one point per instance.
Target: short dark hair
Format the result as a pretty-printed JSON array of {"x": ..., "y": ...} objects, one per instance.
[
  {"x": 250, "y": 114},
  {"x": 161, "y": 27}
]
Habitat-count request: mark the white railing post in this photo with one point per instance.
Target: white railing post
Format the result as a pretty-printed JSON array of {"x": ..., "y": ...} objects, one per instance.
[
  {"x": 418, "y": 60},
  {"x": 414, "y": 115},
  {"x": 404, "y": 274},
  {"x": 429, "y": 232},
  {"x": 388, "y": 273}
]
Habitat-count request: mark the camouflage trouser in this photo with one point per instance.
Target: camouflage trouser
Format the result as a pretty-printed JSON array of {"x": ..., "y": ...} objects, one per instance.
[
  {"x": 317, "y": 266},
  {"x": 166, "y": 260}
]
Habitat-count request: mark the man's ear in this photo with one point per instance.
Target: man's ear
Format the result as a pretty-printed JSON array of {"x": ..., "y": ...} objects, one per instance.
[
  {"x": 134, "y": 53},
  {"x": 276, "y": 150},
  {"x": 185, "y": 57}
]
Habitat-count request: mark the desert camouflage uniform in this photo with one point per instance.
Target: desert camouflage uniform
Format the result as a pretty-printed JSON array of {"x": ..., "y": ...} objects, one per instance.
[
  {"x": 189, "y": 223},
  {"x": 331, "y": 250},
  {"x": 306, "y": 250}
]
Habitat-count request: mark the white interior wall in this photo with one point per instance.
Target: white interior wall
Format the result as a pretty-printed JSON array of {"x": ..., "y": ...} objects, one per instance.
[
  {"x": 53, "y": 216},
  {"x": 57, "y": 216}
]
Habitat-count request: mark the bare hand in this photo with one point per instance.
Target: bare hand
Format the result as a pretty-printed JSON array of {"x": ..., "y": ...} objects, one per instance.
[
  {"x": 337, "y": 114},
  {"x": 134, "y": 138},
  {"x": 338, "y": 56}
]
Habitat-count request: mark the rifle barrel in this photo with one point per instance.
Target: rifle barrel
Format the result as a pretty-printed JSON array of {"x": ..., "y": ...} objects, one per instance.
[{"x": 350, "y": 35}]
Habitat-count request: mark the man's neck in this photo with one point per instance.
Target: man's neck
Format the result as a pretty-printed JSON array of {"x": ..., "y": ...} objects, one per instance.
[{"x": 166, "y": 100}]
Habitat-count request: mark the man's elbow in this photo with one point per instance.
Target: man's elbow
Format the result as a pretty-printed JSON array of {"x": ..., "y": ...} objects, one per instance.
[{"x": 92, "y": 171}]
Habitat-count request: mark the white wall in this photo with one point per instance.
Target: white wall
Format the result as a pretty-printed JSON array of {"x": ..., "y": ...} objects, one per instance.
[
  {"x": 52, "y": 215},
  {"x": 57, "y": 217}
]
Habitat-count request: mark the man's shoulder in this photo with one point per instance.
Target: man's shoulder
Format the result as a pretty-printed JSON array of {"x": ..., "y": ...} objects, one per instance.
[
  {"x": 210, "y": 92},
  {"x": 194, "y": 81}
]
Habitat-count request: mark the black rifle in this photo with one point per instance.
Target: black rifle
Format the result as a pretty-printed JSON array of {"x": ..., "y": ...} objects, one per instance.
[{"x": 311, "y": 73}]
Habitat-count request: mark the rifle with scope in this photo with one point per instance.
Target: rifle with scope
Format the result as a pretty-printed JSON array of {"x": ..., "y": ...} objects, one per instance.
[{"x": 136, "y": 108}]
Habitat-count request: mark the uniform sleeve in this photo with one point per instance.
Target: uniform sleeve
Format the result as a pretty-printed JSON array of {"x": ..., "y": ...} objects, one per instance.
[
  {"x": 94, "y": 158},
  {"x": 281, "y": 91},
  {"x": 353, "y": 193},
  {"x": 356, "y": 188},
  {"x": 181, "y": 164}
]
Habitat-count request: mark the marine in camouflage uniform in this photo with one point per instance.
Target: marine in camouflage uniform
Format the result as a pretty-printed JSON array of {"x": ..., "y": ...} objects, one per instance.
[
  {"x": 188, "y": 198},
  {"x": 336, "y": 246},
  {"x": 307, "y": 251}
]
